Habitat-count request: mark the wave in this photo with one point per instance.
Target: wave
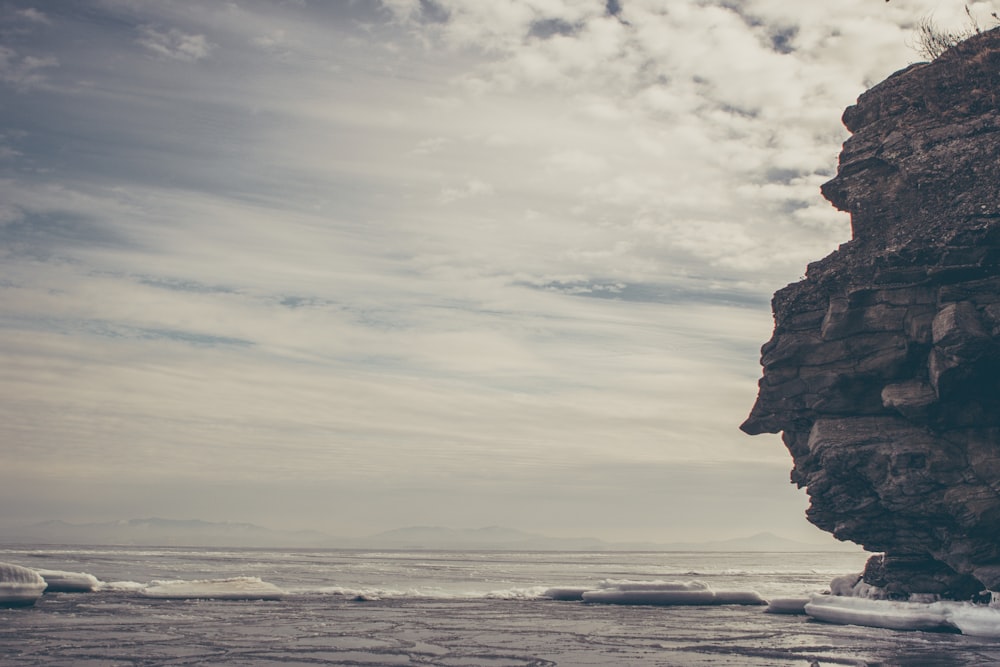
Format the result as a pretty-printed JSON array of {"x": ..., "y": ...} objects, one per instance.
[
  {"x": 375, "y": 593},
  {"x": 252, "y": 587},
  {"x": 242, "y": 587}
]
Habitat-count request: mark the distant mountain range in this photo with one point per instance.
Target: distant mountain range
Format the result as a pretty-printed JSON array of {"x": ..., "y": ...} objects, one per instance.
[
  {"x": 196, "y": 533},
  {"x": 163, "y": 532}
]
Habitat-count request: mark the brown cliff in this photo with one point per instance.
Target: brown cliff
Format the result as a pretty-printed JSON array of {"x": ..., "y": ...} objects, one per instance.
[{"x": 883, "y": 372}]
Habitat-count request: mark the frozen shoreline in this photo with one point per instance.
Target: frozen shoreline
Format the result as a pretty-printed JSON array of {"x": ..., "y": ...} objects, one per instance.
[
  {"x": 457, "y": 608},
  {"x": 22, "y": 586}
]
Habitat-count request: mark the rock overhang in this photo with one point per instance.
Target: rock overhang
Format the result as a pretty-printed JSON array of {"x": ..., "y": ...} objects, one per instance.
[{"x": 883, "y": 373}]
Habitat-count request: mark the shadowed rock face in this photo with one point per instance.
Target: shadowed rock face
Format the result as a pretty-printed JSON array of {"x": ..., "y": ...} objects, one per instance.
[{"x": 883, "y": 373}]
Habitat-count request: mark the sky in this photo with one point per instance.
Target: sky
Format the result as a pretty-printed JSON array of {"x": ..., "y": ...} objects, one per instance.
[{"x": 362, "y": 264}]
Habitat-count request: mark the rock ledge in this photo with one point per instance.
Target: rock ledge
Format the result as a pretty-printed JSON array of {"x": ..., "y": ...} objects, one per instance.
[{"x": 883, "y": 373}]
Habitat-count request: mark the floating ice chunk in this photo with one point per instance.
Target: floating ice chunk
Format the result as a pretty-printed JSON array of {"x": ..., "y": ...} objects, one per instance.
[
  {"x": 787, "y": 606},
  {"x": 668, "y": 594},
  {"x": 879, "y": 613},
  {"x": 566, "y": 593},
  {"x": 19, "y": 586},
  {"x": 974, "y": 620},
  {"x": 739, "y": 597},
  {"x": 69, "y": 582},
  {"x": 967, "y": 618},
  {"x": 236, "y": 588},
  {"x": 648, "y": 597}
]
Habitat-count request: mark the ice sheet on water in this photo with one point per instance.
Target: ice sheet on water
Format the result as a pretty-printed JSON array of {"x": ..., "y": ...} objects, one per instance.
[
  {"x": 19, "y": 586},
  {"x": 69, "y": 582},
  {"x": 235, "y": 588}
]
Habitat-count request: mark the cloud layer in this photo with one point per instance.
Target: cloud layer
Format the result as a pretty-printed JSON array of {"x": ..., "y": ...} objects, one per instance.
[{"x": 372, "y": 256}]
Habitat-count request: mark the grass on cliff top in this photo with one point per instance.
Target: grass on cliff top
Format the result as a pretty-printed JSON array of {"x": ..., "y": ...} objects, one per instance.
[{"x": 932, "y": 41}]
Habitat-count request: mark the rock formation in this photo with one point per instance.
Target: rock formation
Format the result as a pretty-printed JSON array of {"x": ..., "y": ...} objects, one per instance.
[{"x": 883, "y": 372}]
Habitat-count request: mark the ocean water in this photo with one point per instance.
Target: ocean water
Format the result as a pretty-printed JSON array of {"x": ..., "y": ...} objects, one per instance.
[{"x": 444, "y": 608}]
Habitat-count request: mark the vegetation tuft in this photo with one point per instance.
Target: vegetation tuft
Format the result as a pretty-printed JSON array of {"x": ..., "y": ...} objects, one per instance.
[{"x": 932, "y": 41}]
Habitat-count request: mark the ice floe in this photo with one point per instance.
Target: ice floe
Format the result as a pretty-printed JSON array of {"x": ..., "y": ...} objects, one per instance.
[
  {"x": 69, "y": 582},
  {"x": 667, "y": 593},
  {"x": 967, "y": 618},
  {"x": 19, "y": 586},
  {"x": 235, "y": 588},
  {"x": 787, "y": 605},
  {"x": 566, "y": 593},
  {"x": 877, "y": 613}
]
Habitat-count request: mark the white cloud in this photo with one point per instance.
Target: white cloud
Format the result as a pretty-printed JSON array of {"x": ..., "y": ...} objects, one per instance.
[
  {"x": 575, "y": 160},
  {"x": 471, "y": 188},
  {"x": 174, "y": 44},
  {"x": 24, "y": 71},
  {"x": 32, "y": 15},
  {"x": 430, "y": 146},
  {"x": 6, "y": 152}
]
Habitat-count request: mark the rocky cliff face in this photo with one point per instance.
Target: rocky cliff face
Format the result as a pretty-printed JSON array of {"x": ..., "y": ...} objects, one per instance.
[{"x": 884, "y": 369}]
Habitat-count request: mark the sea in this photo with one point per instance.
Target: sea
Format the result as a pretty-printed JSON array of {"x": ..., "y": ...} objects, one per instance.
[{"x": 446, "y": 608}]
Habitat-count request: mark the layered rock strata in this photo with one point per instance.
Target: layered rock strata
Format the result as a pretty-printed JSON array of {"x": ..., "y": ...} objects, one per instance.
[{"x": 883, "y": 373}]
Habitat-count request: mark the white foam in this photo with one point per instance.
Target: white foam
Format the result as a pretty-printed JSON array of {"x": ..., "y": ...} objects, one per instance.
[
  {"x": 235, "y": 588},
  {"x": 529, "y": 593},
  {"x": 122, "y": 586},
  {"x": 19, "y": 586},
  {"x": 381, "y": 593},
  {"x": 69, "y": 582}
]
